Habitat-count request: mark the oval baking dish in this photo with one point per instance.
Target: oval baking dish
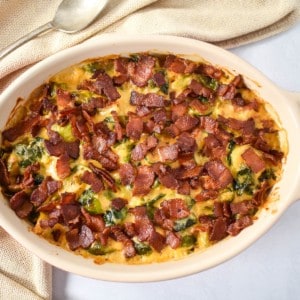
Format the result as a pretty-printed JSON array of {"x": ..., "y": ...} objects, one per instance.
[{"x": 282, "y": 196}]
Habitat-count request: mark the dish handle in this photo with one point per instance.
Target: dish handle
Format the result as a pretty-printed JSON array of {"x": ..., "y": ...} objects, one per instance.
[{"x": 295, "y": 97}]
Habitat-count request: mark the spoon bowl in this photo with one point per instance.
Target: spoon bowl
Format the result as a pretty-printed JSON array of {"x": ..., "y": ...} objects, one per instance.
[
  {"x": 71, "y": 16},
  {"x": 74, "y": 15}
]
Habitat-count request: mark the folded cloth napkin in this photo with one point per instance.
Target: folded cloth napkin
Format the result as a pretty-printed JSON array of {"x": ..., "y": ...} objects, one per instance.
[
  {"x": 22, "y": 275},
  {"x": 227, "y": 23}
]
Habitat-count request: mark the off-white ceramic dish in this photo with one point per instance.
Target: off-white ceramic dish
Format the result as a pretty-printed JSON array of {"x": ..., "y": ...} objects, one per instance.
[{"x": 285, "y": 193}]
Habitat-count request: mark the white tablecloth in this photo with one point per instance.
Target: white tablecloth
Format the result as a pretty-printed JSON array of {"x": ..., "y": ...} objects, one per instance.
[{"x": 269, "y": 269}]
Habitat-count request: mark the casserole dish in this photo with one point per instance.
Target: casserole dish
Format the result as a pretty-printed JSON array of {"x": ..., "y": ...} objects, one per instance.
[{"x": 286, "y": 190}]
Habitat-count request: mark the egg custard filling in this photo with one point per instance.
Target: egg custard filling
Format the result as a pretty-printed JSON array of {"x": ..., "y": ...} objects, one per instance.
[{"x": 140, "y": 158}]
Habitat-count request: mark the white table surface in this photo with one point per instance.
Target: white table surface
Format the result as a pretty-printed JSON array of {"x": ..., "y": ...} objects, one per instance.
[{"x": 269, "y": 269}]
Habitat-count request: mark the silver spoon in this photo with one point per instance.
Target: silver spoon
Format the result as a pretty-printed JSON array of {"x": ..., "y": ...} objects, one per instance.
[{"x": 71, "y": 16}]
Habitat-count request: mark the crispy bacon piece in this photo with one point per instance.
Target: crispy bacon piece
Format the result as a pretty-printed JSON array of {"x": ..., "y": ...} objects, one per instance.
[
  {"x": 261, "y": 195},
  {"x": 159, "y": 79},
  {"x": 4, "y": 175},
  {"x": 186, "y": 123},
  {"x": 63, "y": 166},
  {"x": 175, "y": 208},
  {"x": 253, "y": 161},
  {"x": 143, "y": 180},
  {"x": 184, "y": 187},
  {"x": 140, "y": 150},
  {"x": 178, "y": 111},
  {"x": 243, "y": 208},
  {"x": 168, "y": 180},
  {"x": 219, "y": 173},
  {"x": 199, "y": 106},
  {"x": 72, "y": 149},
  {"x": 186, "y": 143},
  {"x": 104, "y": 83},
  {"x": 173, "y": 239},
  {"x": 222, "y": 89},
  {"x": 160, "y": 116},
  {"x": 179, "y": 65},
  {"x": 119, "y": 235},
  {"x": 142, "y": 111},
  {"x": 94, "y": 222},
  {"x": 48, "y": 187},
  {"x": 86, "y": 236},
  {"x": 273, "y": 156},
  {"x": 219, "y": 229},
  {"x": 211, "y": 71},
  {"x": 83, "y": 238},
  {"x": 70, "y": 213},
  {"x": 238, "y": 81},
  {"x": 247, "y": 127},
  {"x": 209, "y": 124},
  {"x": 63, "y": 98},
  {"x": 157, "y": 241},
  {"x": 230, "y": 92},
  {"x": 165, "y": 176},
  {"x": 160, "y": 218},
  {"x": 118, "y": 203},
  {"x": 79, "y": 128},
  {"x": 45, "y": 223},
  {"x": 141, "y": 71},
  {"x": 127, "y": 174},
  {"x": 121, "y": 64},
  {"x": 93, "y": 180},
  {"x": 213, "y": 147},
  {"x": 12, "y": 133},
  {"x": 145, "y": 229},
  {"x": 241, "y": 104},
  {"x": 94, "y": 103},
  {"x": 60, "y": 147},
  {"x": 68, "y": 198},
  {"x": 28, "y": 178},
  {"x": 108, "y": 160},
  {"x": 206, "y": 223},
  {"x": 222, "y": 209},
  {"x": 54, "y": 149},
  {"x": 134, "y": 128},
  {"x": 106, "y": 176},
  {"x": 18, "y": 199},
  {"x": 185, "y": 173},
  {"x": 119, "y": 80},
  {"x": 129, "y": 229},
  {"x": 100, "y": 144},
  {"x": 148, "y": 100},
  {"x": 200, "y": 90},
  {"x": 241, "y": 223},
  {"x": 72, "y": 237},
  {"x": 168, "y": 153},
  {"x": 172, "y": 130},
  {"x": 118, "y": 127},
  {"x": 206, "y": 195}
]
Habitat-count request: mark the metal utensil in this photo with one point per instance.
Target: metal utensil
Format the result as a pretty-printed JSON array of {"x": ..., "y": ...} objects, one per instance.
[{"x": 71, "y": 16}]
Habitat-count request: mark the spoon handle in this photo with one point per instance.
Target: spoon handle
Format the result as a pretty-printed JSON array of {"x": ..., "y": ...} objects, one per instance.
[{"x": 25, "y": 39}]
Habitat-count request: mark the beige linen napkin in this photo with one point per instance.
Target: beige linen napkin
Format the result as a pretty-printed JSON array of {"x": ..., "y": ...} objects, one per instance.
[
  {"x": 227, "y": 23},
  {"x": 22, "y": 275}
]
